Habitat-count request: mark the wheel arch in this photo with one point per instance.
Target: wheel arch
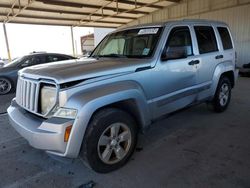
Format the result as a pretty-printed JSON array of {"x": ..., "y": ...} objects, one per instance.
[
  {"x": 125, "y": 96},
  {"x": 230, "y": 76},
  {"x": 131, "y": 107},
  {"x": 223, "y": 69}
]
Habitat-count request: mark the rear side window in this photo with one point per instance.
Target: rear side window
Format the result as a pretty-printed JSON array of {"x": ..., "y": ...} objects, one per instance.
[
  {"x": 225, "y": 38},
  {"x": 53, "y": 58},
  {"x": 206, "y": 39},
  {"x": 62, "y": 58}
]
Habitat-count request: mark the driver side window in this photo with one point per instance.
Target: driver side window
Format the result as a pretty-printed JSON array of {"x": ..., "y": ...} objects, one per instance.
[
  {"x": 34, "y": 60},
  {"x": 179, "y": 44}
]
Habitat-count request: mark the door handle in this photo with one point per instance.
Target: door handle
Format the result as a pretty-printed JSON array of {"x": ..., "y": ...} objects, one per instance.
[
  {"x": 194, "y": 62},
  {"x": 219, "y": 57}
]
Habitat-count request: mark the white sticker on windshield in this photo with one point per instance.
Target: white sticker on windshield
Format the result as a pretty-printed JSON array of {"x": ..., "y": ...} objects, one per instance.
[{"x": 148, "y": 31}]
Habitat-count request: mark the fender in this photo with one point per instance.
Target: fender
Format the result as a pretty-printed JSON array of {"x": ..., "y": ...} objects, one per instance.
[
  {"x": 219, "y": 70},
  {"x": 88, "y": 101}
]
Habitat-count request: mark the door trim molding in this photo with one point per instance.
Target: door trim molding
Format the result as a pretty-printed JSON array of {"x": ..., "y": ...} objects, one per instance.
[{"x": 171, "y": 97}]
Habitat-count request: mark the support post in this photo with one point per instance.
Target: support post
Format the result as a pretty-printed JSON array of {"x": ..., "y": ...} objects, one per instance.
[
  {"x": 73, "y": 43},
  {"x": 7, "y": 42},
  {"x": 76, "y": 48}
]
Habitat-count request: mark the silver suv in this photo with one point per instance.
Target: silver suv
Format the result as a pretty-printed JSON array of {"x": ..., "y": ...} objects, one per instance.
[{"x": 95, "y": 108}]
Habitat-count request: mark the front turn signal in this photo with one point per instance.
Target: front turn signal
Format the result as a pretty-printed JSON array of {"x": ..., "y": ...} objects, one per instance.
[{"x": 67, "y": 133}]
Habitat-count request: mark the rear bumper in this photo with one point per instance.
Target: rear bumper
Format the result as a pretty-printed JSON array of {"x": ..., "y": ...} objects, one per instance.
[{"x": 45, "y": 134}]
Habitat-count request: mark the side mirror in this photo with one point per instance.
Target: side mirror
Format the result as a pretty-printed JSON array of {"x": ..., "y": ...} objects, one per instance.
[
  {"x": 88, "y": 54},
  {"x": 24, "y": 65},
  {"x": 174, "y": 53}
]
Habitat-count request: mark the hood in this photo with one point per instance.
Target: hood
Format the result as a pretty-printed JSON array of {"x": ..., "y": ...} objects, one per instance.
[
  {"x": 7, "y": 69},
  {"x": 73, "y": 70}
]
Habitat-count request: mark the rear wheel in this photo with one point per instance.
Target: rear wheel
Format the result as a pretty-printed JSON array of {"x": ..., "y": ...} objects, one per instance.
[
  {"x": 109, "y": 141},
  {"x": 5, "y": 86},
  {"x": 223, "y": 95}
]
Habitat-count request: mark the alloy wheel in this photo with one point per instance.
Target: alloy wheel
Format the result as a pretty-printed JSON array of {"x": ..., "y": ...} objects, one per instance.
[
  {"x": 5, "y": 86},
  {"x": 114, "y": 143},
  {"x": 224, "y": 94}
]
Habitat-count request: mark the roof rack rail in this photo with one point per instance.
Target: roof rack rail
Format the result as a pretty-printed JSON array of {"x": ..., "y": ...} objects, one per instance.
[
  {"x": 35, "y": 52},
  {"x": 196, "y": 20}
]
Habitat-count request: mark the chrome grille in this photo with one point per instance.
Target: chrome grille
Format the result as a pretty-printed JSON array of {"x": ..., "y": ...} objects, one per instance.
[{"x": 27, "y": 94}]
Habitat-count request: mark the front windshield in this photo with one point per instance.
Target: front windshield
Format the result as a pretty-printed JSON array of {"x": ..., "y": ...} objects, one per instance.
[
  {"x": 134, "y": 43},
  {"x": 14, "y": 63}
]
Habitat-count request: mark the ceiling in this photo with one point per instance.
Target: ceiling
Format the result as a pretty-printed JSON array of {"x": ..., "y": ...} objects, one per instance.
[{"x": 82, "y": 13}]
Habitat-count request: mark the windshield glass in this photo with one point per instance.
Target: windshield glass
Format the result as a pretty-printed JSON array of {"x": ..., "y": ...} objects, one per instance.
[
  {"x": 14, "y": 63},
  {"x": 134, "y": 43}
]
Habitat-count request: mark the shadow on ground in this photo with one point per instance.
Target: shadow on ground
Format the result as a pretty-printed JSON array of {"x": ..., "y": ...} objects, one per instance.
[{"x": 5, "y": 102}]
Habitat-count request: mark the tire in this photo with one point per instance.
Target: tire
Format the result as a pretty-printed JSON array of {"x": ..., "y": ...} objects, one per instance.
[
  {"x": 5, "y": 86},
  {"x": 103, "y": 148},
  {"x": 222, "y": 95}
]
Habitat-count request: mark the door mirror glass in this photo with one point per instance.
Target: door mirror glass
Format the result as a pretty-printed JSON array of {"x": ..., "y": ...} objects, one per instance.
[
  {"x": 89, "y": 53},
  {"x": 175, "y": 53},
  {"x": 25, "y": 63}
]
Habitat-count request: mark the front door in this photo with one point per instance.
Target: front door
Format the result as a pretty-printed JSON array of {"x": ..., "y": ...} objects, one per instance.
[{"x": 175, "y": 75}]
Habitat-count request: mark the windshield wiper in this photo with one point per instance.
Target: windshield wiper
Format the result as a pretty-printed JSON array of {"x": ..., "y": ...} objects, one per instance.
[{"x": 111, "y": 55}]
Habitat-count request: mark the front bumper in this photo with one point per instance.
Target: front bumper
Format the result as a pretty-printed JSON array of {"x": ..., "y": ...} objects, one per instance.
[{"x": 45, "y": 134}]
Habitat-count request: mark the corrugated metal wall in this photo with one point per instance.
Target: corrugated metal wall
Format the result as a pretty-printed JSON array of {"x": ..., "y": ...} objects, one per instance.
[{"x": 234, "y": 12}]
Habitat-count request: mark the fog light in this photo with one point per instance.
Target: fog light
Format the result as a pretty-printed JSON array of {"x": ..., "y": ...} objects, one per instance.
[
  {"x": 65, "y": 113},
  {"x": 67, "y": 133}
]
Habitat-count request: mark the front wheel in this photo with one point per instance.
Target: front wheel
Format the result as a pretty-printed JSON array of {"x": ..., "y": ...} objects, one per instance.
[
  {"x": 109, "y": 140},
  {"x": 223, "y": 95},
  {"x": 5, "y": 86}
]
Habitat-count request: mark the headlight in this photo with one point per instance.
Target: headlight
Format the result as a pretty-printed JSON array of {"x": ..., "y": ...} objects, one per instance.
[
  {"x": 66, "y": 113},
  {"x": 48, "y": 98}
]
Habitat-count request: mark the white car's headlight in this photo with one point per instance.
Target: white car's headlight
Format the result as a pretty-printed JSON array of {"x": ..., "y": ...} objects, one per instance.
[
  {"x": 48, "y": 98},
  {"x": 66, "y": 113}
]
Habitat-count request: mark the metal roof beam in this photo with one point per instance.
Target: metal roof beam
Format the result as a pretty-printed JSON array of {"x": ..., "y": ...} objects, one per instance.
[
  {"x": 82, "y": 5},
  {"x": 65, "y": 12},
  {"x": 118, "y": 13},
  {"x": 63, "y": 19},
  {"x": 136, "y": 3},
  {"x": 8, "y": 18},
  {"x": 58, "y": 24},
  {"x": 11, "y": 9},
  {"x": 173, "y": 1}
]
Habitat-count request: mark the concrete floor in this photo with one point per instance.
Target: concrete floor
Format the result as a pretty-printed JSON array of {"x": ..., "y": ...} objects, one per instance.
[{"x": 192, "y": 148}]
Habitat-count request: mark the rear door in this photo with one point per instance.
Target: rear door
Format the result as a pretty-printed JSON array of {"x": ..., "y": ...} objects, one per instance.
[{"x": 208, "y": 54}]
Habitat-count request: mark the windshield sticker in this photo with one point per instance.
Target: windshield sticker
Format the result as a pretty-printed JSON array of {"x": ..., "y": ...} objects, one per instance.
[
  {"x": 145, "y": 51},
  {"x": 148, "y": 31}
]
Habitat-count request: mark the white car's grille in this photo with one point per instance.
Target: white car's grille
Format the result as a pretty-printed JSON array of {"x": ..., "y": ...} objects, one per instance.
[{"x": 27, "y": 94}]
